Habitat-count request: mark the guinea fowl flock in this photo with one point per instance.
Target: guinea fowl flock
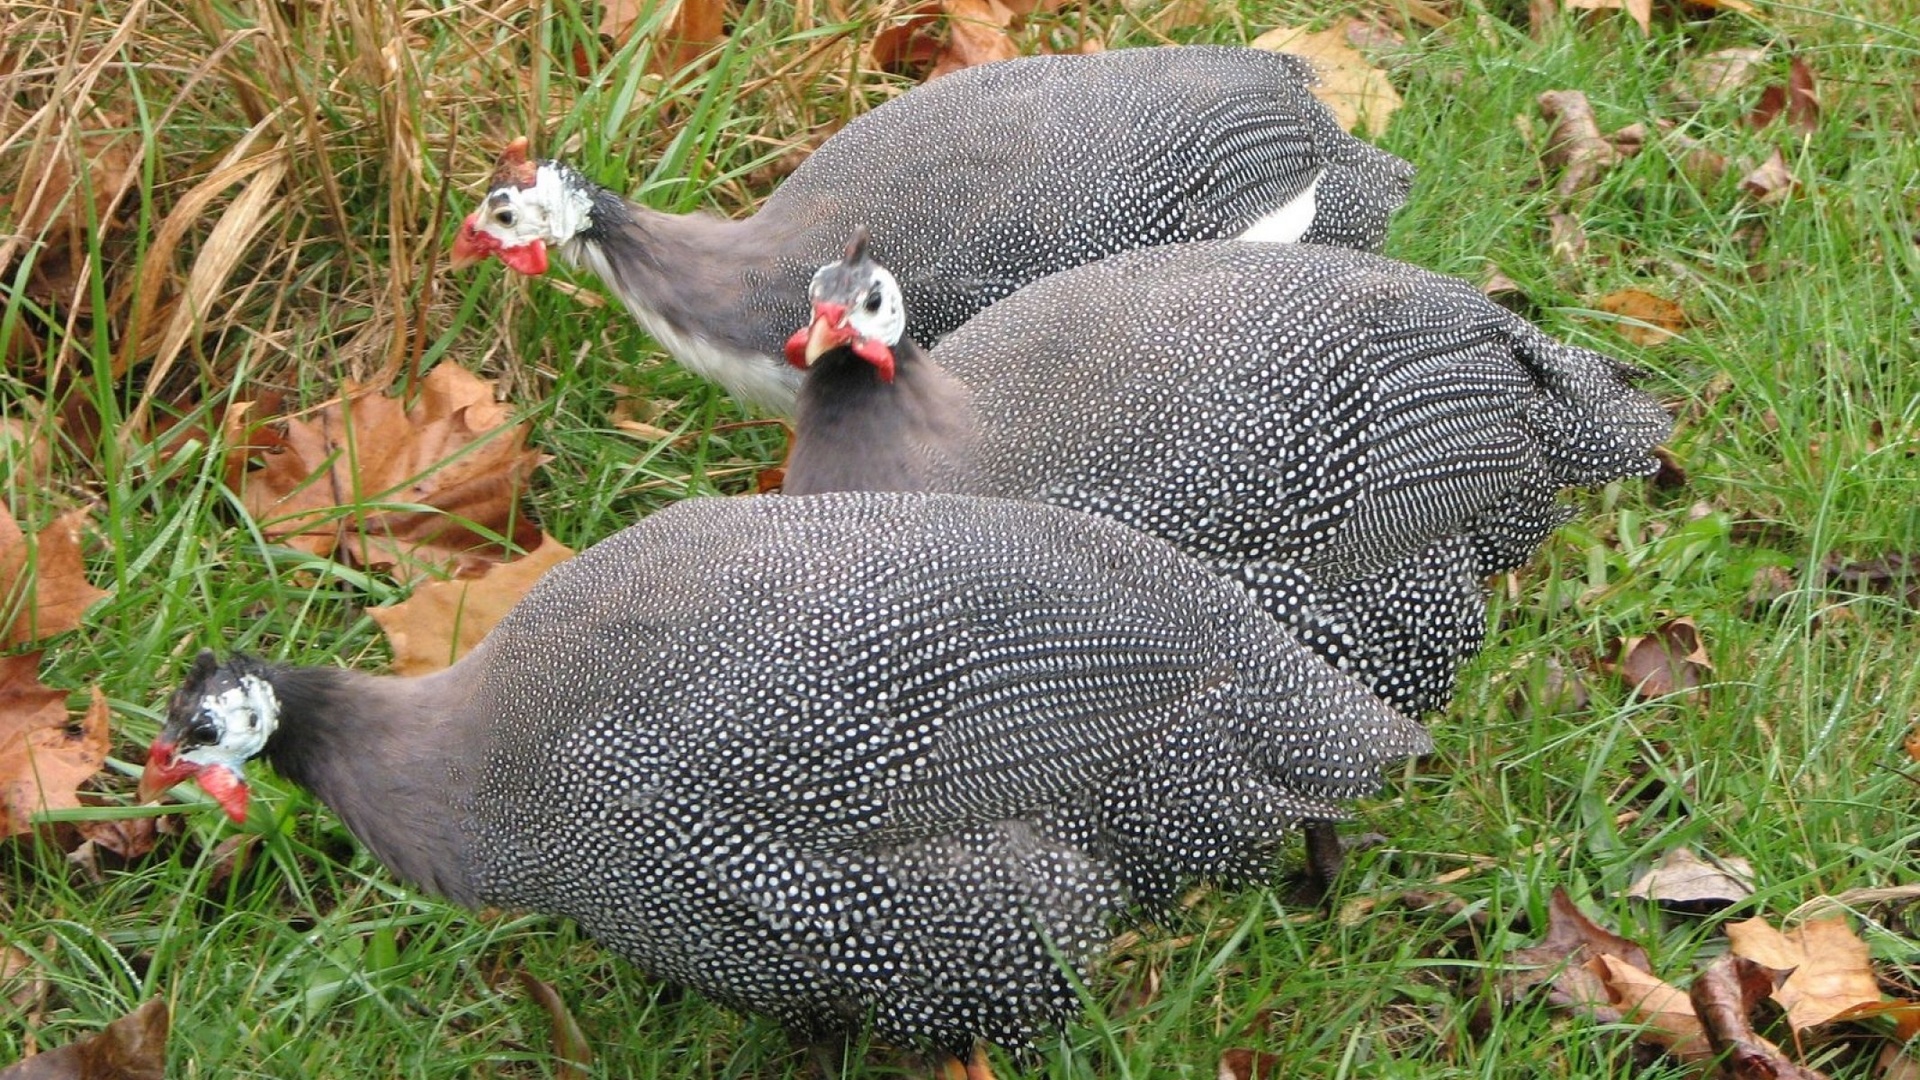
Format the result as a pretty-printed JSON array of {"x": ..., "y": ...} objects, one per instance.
[{"x": 1121, "y": 535}]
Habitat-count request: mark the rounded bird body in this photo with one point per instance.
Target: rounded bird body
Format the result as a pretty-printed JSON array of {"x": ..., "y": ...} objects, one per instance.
[
  {"x": 849, "y": 759},
  {"x": 972, "y": 186},
  {"x": 1358, "y": 441}
]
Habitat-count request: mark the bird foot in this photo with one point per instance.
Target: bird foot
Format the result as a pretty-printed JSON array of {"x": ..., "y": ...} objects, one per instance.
[
  {"x": 1326, "y": 857},
  {"x": 975, "y": 1069}
]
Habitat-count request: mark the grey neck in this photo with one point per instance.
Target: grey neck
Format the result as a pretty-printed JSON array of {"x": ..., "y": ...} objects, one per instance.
[
  {"x": 714, "y": 293},
  {"x": 853, "y": 432},
  {"x": 395, "y": 758}
]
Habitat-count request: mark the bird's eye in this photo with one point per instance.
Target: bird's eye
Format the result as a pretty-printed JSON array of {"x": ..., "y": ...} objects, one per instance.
[
  {"x": 202, "y": 732},
  {"x": 504, "y": 216},
  {"x": 873, "y": 301}
]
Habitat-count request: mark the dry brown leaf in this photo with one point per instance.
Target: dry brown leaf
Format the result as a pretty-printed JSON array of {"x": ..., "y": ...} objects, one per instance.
[
  {"x": 1560, "y": 959},
  {"x": 1644, "y": 998},
  {"x": 1646, "y": 319},
  {"x": 1716, "y": 75},
  {"x": 571, "y": 1052},
  {"x": 1566, "y": 239},
  {"x": 1356, "y": 91},
  {"x": 1575, "y": 143},
  {"x": 49, "y": 203},
  {"x": 1895, "y": 1063},
  {"x": 45, "y": 580},
  {"x": 1771, "y": 180},
  {"x": 442, "y": 621},
  {"x": 1243, "y": 1064},
  {"x": 1798, "y": 98},
  {"x": 976, "y": 34},
  {"x": 1669, "y": 660},
  {"x": 25, "y": 454},
  {"x": 1640, "y": 10},
  {"x": 453, "y": 452},
  {"x": 694, "y": 27},
  {"x": 1832, "y": 972},
  {"x": 1723, "y": 997},
  {"x": 42, "y": 763},
  {"x": 1684, "y": 881},
  {"x": 128, "y": 838},
  {"x": 133, "y": 1047}
]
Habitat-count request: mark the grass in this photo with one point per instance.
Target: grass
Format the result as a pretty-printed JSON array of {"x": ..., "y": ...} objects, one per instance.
[{"x": 1797, "y": 388}]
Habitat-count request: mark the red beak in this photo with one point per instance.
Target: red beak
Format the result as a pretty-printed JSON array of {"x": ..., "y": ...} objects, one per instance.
[
  {"x": 830, "y": 330},
  {"x": 165, "y": 769},
  {"x": 470, "y": 245}
]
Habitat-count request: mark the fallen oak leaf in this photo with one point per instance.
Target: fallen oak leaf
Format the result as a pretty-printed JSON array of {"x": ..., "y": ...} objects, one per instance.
[
  {"x": 570, "y": 1047},
  {"x": 443, "y": 620},
  {"x": 1640, "y": 10},
  {"x": 1723, "y": 997},
  {"x": 1243, "y": 1064},
  {"x": 1670, "y": 660},
  {"x": 431, "y": 486},
  {"x": 1832, "y": 970},
  {"x": 42, "y": 763},
  {"x": 1666, "y": 1016},
  {"x": 1798, "y": 98},
  {"x": 133, "y": 1047},
  {"x": 1357, "y": 92},
  {"x": 1560, "y": 958},
  {"x": 44, "y": 578},
  {"x": 1683, "y": 881},
  {"x": 1771, "y": 180},
  {"x": 1646, "y": 319},
  {"x": 1575, "y": 143}
]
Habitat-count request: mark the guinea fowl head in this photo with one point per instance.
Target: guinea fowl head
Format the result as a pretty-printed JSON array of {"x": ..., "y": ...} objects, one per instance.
[
  {"x": 856, "y": 303},
  {"x": 529, "y": 205},
  {"x": 219, "y": 719}
]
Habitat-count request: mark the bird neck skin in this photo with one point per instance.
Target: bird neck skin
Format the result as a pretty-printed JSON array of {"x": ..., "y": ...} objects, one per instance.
[
  {"x": 854, "y": 432},
  {"x": 391, "y": 758},
  {"x": 711, "y": 291}
]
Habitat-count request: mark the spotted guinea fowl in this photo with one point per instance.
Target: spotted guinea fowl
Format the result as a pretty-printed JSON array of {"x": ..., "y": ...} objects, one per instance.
[
  {"x": 1358, "y": 441},
  {"x": 856, "y": 758},
  {"x": 972, "y": 185}
]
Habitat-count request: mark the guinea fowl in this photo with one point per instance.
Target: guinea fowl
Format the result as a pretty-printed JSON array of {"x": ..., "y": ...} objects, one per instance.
[
  {"x": 972, "y": 185},
  {"x": 861, "y": 758},
  {"x": 1357, "y": 441}
]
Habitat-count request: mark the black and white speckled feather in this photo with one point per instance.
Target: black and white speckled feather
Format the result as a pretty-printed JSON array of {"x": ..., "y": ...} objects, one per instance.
[
  {"x": 1358, "y": 441},
  {"x": 979, "y": 182},
  {"x": 853, "y": 757}
]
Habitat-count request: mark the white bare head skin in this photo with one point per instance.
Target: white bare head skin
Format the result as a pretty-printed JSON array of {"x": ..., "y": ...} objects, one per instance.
[
  {"x": 876, "y": 310},
  {"x": 548, "y": 210},
  {"x": 240, "y": 719}
]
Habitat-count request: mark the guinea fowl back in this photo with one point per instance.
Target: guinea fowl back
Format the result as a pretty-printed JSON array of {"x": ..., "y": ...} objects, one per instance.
[
  {"x": 1215, "y": 138},
  {"x": 920, "y": 721}
]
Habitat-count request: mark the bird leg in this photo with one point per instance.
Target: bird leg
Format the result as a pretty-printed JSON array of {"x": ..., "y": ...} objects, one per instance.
[
  {"x": 975, "y": 1069},
  {"x": 1325, "y": 857}
]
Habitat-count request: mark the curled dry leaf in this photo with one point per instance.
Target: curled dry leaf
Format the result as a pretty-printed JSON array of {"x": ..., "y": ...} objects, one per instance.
[
  {"x": 1640, "y": 10},
  {"x": 1723, "y": 997},
  {"x": 443, "y": 620},
  {"x": 571, "y": 1052},
  {"x": 1356, "y": 91},
  {"x": 1894, "y": 574},
  {"x": 1832, "y": 971},
  {"x": 1716, "y": 75},
  {"x": 1646, "y": 319},
  {"x": 1575, "y": 144},
  {"x": 693, "y": 27},
  {"x": 976, "y": 32},
  {"x": 1683, "y": 881},
  {"x": 1243, "y": 1064},
  {"x": 42, "y": 762},
  {"x": 45, "y": 581},
  {"x": 1640, "y": 997},
  {"x": 1559, "y": 961},
  {"x": 1669, "y": 660},
  {"x": 1566, "y": 239},
  {"x": 133, "y": 1047},
  {"x": 452, "y": 462},
  {"x": 1798, "y": 99},
  {"x": 1771, "y": 180}
]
